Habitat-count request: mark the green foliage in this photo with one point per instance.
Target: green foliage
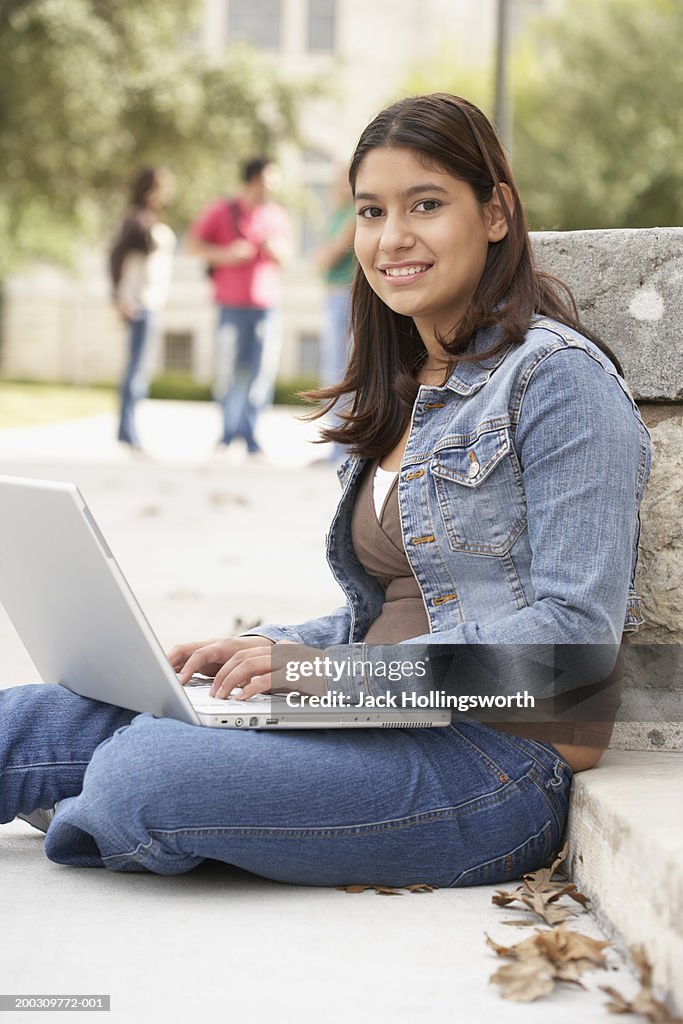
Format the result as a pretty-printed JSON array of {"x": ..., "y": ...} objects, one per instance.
[
  {"x": 90, "y": 90},
  {"x": 441, "y": 74},
  {"x": 598, "y": 113},
  {"x": 179, "y": 386},
  {"x": 599, "y": 122},
  {"x": 182, "y": 387},
  {"x": 287, "y": 391}
]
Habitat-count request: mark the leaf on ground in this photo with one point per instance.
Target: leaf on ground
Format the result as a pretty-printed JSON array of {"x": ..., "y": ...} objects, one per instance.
[
  {"x": 501, "y": 898},
  {"x": 545, "y": 874},
  {"x": 381, "y": 890},
  {"x": 559, "y": 946},
  {"x": 571, "y": 972},
  {"x": 644, "y": 1002},
  {"x": 548, "y": 912},
  {"x": 525, "y": 980},
  {"x": 554, "y": 890},
  {"x": 562, "y": 945},
  {"x": 521, "y": 922},
  {"x": 642, "y": 965},
  {"x": 562, "y": 856},
  {"x": 539, "y": 893},
  {"x": 511, "y": 951},
  {"x": 617, "y": 1003},
  {"x": 388, "y": 890},
  {"x": 570, "y": 891},
  {"x": 544, "y": 958}
]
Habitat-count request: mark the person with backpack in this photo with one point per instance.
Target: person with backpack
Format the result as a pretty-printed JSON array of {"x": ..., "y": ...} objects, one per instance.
[
  {"x": 244, "y": 241},
  {"x": 140, "y": 264}
]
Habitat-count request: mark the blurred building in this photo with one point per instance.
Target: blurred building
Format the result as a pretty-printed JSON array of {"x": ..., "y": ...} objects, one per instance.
[{"x": 59, "y": 327}]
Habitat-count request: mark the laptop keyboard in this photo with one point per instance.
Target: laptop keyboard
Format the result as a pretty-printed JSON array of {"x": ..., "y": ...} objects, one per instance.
[{"x": 199, "y": 697}]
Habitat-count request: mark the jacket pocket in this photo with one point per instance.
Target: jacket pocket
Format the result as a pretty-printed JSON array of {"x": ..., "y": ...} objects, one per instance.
[{"x": 479, "y": 491}]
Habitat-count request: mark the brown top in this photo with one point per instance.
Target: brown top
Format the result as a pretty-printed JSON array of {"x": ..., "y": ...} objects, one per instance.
[{"x": 378, "y": 543}]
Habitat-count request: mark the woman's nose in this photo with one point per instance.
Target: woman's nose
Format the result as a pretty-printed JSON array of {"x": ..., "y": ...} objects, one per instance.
[{"x": 396, "y": 234}]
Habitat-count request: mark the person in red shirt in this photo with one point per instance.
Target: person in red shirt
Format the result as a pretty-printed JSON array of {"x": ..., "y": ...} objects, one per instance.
[{"x": 244, "y": 240}]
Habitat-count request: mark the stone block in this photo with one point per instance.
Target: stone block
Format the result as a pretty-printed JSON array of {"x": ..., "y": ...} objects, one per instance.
[
  {"x": 628, "y": 285},
  {"x": 660, "y": 566}
]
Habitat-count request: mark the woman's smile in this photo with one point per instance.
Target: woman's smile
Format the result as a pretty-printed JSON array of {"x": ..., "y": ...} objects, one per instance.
[{"x": 404, "y": 273}]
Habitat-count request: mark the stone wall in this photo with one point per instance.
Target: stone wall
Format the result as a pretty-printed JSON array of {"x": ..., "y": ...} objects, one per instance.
[{"x": 629, "y": 288}]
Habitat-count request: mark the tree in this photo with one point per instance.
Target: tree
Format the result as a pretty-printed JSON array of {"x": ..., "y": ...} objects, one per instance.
[
  {"x": 598, "y": 113},
  {"x": 599, "y": 122},
  {"x": 92, "y": 89}
]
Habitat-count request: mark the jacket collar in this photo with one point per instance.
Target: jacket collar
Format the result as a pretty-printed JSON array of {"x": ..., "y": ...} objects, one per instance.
[{"x": 470, "y": 377}]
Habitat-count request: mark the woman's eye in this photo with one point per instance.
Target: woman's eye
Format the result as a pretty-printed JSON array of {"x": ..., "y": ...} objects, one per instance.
[
  {"x": 427, "y": 205},
  {"x": 369, "y": 212}
]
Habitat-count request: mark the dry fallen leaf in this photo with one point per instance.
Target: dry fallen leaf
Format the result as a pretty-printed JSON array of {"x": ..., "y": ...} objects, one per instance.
[
  {"x": 388, "y": 890},
  {"x": 562, "y": 944},
  {"x": 547, "y": 911},
  {"x": 644, "y": 1002},
  {"x": 545, "y": 874},
  {"x": 559, "y": 945},
  {"x": 525, "y": 980},
  {"x": 538, "y": 892},
  {"x": 501, "y": 898},
  {"x": 564, "y": 955}
]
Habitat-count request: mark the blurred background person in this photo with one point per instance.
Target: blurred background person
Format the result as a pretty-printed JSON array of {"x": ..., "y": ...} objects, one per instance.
[
  {"x": 336, "y": 262},
  {"x": 140, "y": 263},
  {"x": 244, "y": 240}
]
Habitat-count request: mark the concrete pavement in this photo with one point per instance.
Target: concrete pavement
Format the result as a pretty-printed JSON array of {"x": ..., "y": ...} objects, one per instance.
[{"x": 204, "y": 542}]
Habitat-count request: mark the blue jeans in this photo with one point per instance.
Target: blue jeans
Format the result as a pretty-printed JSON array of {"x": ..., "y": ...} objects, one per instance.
[
  {"x": 462, "y": 805},
  {"x": 240, "y": 412},
  {"x": 135, "y": 383}
]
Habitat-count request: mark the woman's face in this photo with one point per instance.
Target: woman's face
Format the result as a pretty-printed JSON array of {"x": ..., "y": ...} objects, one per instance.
[{"x": 421, "y": 237}]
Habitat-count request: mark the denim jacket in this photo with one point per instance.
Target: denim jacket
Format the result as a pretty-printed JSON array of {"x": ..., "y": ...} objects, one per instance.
[{"x": 519, "y": 495}]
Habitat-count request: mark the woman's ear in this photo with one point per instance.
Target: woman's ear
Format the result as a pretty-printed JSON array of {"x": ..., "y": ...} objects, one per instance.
[{"x": 497, "y": 224}]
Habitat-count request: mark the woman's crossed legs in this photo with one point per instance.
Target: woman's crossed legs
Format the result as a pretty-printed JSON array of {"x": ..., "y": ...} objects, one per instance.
[{"x": 462, "y": 805}]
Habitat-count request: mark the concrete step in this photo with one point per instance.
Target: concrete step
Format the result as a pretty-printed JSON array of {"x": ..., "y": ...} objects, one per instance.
[{"x": 626, "y": 840}]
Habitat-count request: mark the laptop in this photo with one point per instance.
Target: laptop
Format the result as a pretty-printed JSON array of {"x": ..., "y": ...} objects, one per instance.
[{"x": 83, "y": 627}]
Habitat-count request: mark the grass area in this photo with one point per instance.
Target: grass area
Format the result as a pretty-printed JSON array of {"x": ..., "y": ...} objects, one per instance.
[
  {"x": 180, "y": 386},
  {"x": 30, "y": 403},
  {"x": 24, "y": 404}
]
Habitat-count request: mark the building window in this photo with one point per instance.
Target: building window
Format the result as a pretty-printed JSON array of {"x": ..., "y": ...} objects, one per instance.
[
  {"x": 321, "y": 24},
  {"x": 178, "y": 351},
  {"x": 309, "y": 354},
  {"x": 256, "y": 22}
]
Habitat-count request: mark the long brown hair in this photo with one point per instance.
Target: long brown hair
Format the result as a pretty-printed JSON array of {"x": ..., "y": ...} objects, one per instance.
[{"x": 451, "y": 134}]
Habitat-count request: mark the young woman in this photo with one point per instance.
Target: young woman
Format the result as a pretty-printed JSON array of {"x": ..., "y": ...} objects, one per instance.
[
  {"x": 492, "y": 504},
  {"x": 140, "y": 265}
]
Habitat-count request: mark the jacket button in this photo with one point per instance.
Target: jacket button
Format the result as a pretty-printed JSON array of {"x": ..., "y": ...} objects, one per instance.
[{"x": 473, "y": 469}]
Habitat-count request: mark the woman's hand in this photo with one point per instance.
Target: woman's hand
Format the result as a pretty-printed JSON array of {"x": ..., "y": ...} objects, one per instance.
[
  {"x": 128, "y": 310},
  {"x": 209, "y": 656},
  {"x": 245, "y": 663}
]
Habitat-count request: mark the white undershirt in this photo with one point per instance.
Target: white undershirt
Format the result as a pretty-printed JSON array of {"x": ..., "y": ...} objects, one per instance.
[{"x": 381, "y": 485}]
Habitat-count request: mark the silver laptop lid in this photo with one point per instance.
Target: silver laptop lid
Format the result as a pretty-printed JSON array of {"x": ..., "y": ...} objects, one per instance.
[{"x": 71, "y": 605}]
